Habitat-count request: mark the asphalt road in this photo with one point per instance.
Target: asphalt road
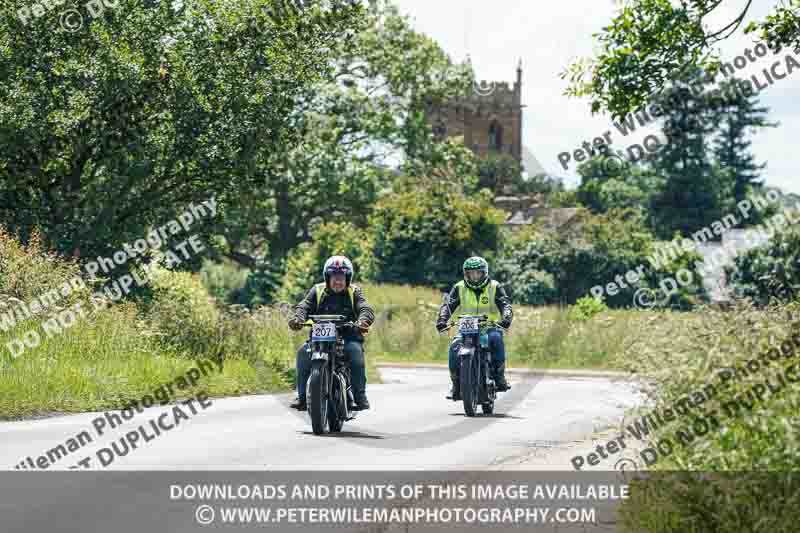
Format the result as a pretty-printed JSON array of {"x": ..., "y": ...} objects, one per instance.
[{"x": 411, "y": 426}]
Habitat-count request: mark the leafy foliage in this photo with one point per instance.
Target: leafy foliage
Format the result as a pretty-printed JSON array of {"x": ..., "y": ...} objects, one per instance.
[
  {"x": 304, "y": 265},
  {"x": 595, "y": 251},
  {"x": 651, "y": 42},
  {"x": 422, "y": 237},
  {"x": 114, "y": 127},
  {"x": 352, "y": 127},
  {"x": 770, "y": 272},
  {"x": 607, "y": 185},
  {"x": 181, "y": 312},
  {"x": 587, "y": 307}
]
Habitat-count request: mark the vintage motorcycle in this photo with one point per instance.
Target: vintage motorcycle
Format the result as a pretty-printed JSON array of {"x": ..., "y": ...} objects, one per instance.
[
  {"x": 329, "y": 393},
  {"x": 476, "y": 378}
]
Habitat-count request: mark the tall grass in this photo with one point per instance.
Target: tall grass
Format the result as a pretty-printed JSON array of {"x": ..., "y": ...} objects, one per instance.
[
  {"x": 763, "y": 438},
  {"x": 542, "y": 337},
  {"x": 113, "y": 355}
]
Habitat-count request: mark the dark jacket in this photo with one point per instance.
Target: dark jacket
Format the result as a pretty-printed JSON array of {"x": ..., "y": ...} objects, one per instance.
[
  {"x": 337, "y": 304},
  {"x": 452, "y": 302}
]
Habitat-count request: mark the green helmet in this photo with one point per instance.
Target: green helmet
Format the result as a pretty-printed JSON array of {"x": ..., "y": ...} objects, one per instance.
[{"x": 476, "y": 272}]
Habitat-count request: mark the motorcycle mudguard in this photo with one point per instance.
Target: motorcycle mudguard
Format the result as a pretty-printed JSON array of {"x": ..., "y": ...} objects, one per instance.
[
  {"x": 466, "y": 351},
  {"x": 319, "y": 356}
]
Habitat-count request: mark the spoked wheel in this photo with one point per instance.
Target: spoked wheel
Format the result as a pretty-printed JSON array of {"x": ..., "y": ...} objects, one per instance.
[
  {"x": 318, "y": 401},
  {"x": 470, "y": 384}
]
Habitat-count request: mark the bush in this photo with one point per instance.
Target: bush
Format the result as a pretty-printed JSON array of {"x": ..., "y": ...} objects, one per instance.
[
  {"x": 422, "y": 237},
  {"x": 304, "y": 264},
  {"x": 594, "y": 250},
  {"x": 182, "y": 313},
  {"x": 769, "y": 272},
  {"x": 29, "y": 271},
  {"x": 223, "y": 281},
  {"x": 587, "y": 307}
]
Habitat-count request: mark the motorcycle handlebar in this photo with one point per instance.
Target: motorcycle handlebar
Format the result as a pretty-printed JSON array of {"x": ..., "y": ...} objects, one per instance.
[
  {"x": 484, "y": 319},
  {"x": 342, "y": 325}
]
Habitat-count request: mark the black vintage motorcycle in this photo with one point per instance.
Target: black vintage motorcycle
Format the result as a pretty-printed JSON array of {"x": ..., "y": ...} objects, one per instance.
[
  {"x": 477, "y": 376},
  {"x": 329, "y": 393}
]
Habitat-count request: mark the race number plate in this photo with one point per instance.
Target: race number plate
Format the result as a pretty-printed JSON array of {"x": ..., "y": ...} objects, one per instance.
[
  {"x": 323, "y": 331},
  {"x": 467, "y": 326}
]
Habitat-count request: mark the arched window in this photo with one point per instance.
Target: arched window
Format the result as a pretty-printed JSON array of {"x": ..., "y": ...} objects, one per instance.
[{"x": 495, "y": 136}]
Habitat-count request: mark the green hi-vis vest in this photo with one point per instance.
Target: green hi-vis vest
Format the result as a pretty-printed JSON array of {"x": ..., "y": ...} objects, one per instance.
[
  {"x": 320, "y": 288},
  {"x": 482, "y": 304}
]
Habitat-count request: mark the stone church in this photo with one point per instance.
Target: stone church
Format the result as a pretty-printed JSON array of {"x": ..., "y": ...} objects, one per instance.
[{"x": 487, "y": 120}]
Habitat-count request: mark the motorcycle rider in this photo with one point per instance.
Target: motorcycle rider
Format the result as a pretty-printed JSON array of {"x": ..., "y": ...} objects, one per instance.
[
  {"x": 336, "y": 296},
  {"x": 478, "y": 294}
]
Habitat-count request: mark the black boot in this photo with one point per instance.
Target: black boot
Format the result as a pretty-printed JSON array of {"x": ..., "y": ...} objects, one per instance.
[
  {"x": 362, "y": 404},
  {"x": 455, "y": 388},
  {"x": 299, "y": 404},
  {"x": 500, "y": 383}
]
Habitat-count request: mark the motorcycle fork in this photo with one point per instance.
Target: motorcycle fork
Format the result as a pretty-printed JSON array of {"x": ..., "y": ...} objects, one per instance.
[{"x": 343, "y": 367}]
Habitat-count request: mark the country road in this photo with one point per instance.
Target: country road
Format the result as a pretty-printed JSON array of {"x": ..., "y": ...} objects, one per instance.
[{"x": 411, "y": 426}]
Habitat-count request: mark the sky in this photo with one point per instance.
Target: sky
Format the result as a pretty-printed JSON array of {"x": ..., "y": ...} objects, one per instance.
[{"x": 548, "y": 36}]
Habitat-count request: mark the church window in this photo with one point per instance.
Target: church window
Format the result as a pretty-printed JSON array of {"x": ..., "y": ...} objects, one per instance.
[{"x": 495, "y": 136}]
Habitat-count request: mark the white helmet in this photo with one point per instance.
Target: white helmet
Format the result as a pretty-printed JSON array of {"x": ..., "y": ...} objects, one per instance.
[{"x": 338, "y": 264}]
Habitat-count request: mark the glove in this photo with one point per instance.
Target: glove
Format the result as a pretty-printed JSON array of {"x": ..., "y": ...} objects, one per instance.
[
  {"x": 441, "y": 326},
  {"x": 505, "y": 323},
  {"x": 295, "y": 324}
]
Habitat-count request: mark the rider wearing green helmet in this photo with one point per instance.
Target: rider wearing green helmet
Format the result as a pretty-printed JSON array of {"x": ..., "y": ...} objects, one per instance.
[{"x": 478, "y": 294}]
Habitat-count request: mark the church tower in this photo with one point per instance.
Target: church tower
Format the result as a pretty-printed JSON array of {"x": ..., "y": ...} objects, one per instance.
[{"x": 488, "y": 119}]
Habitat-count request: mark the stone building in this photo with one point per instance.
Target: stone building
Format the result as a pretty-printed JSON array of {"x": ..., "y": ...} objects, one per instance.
[{"x": 488, "y": 118}]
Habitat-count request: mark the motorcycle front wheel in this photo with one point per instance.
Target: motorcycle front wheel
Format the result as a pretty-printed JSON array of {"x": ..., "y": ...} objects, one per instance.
[
  {"x": 318, "y": 401},
  {"x": 470, "y": 384}
]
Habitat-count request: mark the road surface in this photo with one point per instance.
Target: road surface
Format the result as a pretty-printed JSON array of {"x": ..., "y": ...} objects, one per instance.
[{"x": 411, "y": 426}]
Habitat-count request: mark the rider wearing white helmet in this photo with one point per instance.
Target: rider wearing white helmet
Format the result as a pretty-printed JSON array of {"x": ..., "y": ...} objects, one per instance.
[{"x": 336, "y": 296}]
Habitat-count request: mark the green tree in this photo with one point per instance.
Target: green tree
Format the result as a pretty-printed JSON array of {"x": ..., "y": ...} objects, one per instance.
[
  {"x": 353, "y": 127},
  {"x": 422, "y": 237},
  {"x": 119, "y": 125},
  {"x": 607, "y": 183},
  {"x": 737, "y": 117},
  {"x": 692, "y": 193},
  {"x": 651, "y": 42},
  {"x": 563, "y": 267}
]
